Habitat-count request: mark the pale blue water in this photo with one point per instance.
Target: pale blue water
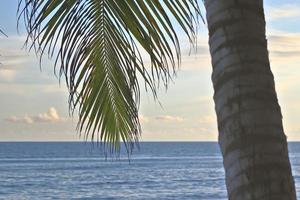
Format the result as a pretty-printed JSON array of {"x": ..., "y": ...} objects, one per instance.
[{"x": 174, "y": 171}]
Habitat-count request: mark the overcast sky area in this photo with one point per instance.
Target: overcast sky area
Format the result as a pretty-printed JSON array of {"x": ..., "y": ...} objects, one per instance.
[{"x": 34, "y": 106}]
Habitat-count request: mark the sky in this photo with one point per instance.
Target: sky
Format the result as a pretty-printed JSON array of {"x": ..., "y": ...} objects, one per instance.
[{"x": 34, "y": 105}]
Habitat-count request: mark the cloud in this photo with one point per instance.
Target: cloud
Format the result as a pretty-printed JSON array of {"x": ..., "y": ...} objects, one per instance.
[
  {"x": 286, "y": 11},
  {"x": 12, "y": 53},
  {"x": 284, "y": 54},
  {"x": 26, "y": 119},
  {"x": 144, "y": 119},
  {"x": 51, "y": 116},
  {"x": 209, "y": 119},
  {"x": 169, "y": 118},
  {"x": 7, "y": 75},
  {"x": 200, "y": 130},
  {"x": 284, "y": 46}
]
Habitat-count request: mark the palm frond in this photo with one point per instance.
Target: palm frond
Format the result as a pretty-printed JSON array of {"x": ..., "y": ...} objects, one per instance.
[
  {"x": 95, "y": 43},
  {"x": 1, "y": 32}
]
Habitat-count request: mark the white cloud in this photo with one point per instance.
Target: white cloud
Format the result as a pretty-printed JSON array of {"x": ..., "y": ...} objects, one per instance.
[
  {"x": 286, "y": 11},
  {"x": 51, "y": 116},
  {"x": 7, "y": 75},
  {"x": 284, "y": 46},
  {"x": 144, "y": 119},
  {"x": 14, "y": 58},
  {"x": 14, "y": 119},
  {"x": 209, "y": 119},
  {"x": 169, "y": 118},
  {"x": 199, "y": 130},
  {"x": 12, "y": 53}
]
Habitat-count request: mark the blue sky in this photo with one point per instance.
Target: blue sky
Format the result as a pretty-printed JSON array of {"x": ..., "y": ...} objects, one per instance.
[{"x": 34, "y": 106}]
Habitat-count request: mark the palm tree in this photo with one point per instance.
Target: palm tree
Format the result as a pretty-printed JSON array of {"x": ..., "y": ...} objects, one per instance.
[
  {"x": 251, "y": 135},
  {"x": 95, "y": 43}
]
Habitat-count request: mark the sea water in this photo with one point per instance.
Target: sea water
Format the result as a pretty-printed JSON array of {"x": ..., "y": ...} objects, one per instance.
[{"x": 158, "y": 170}]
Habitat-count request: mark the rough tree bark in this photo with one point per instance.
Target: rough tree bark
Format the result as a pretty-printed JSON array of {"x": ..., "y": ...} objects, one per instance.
[{"x": 251, "y": 135}]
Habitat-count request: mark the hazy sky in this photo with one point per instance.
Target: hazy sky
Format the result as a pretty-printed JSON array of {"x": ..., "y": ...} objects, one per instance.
[{"x": 33, "y": 106}]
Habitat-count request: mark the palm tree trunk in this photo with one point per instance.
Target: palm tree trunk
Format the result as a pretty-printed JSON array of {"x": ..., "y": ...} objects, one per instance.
[{"x": 251, "y": 135}]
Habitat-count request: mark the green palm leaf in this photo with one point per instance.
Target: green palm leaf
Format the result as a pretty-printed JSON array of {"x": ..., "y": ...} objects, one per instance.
[{"x": 95, "y": 43}]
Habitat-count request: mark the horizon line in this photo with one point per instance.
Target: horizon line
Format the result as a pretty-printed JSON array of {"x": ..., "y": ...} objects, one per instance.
[{"x": 76, "y": 141}]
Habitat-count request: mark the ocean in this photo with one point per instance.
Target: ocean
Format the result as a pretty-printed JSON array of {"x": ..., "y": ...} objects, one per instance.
[{"x": 75, "y": 170}]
